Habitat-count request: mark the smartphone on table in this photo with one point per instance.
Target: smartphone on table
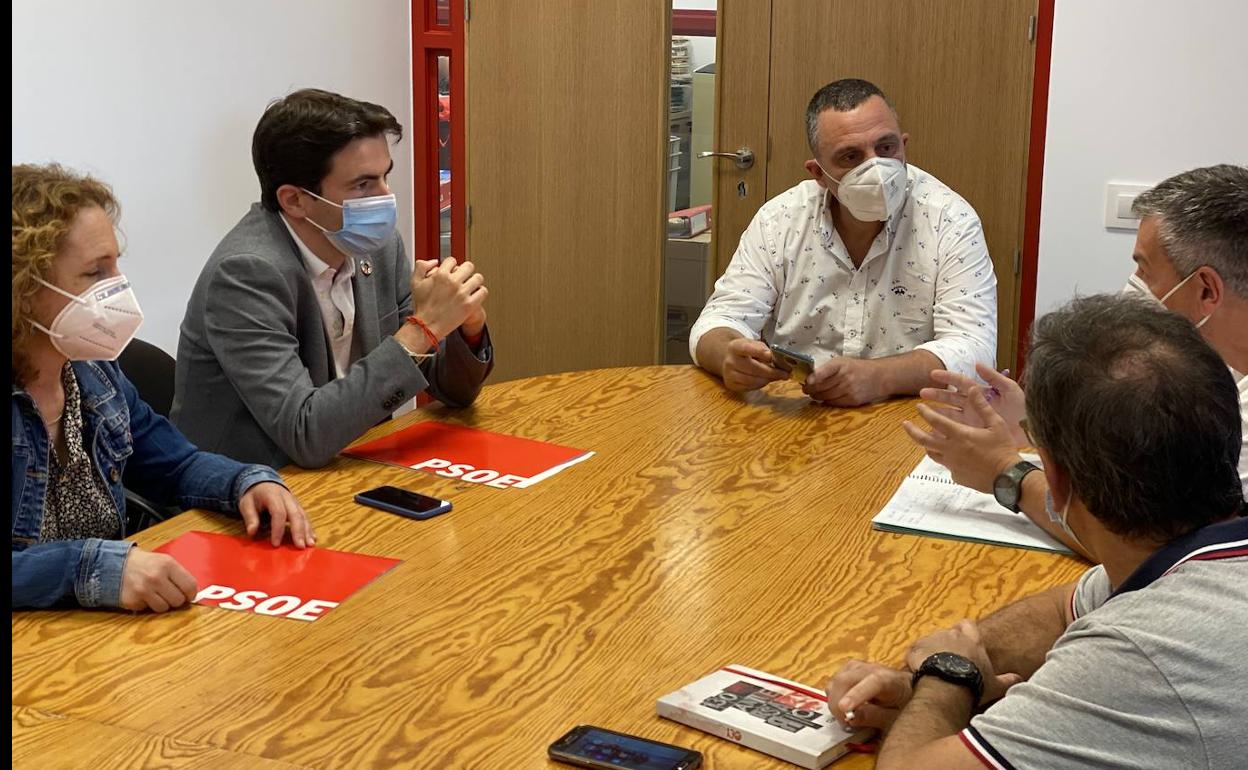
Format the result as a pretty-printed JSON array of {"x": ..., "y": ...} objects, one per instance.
[
  {"x": 799, "y": 365},
  {"x": 403, "y": 502},
  {"x": 597, "y": 747}
]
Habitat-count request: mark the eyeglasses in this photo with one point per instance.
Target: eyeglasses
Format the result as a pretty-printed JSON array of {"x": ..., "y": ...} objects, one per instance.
[{"x": 1027, "y": 431}]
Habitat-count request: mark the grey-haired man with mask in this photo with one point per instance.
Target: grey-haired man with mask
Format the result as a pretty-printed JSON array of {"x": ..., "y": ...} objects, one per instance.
[
  {"x": 1191, "y": 257},
  {"x": 873, "y": 268},
  {"x": 310, "y": 324}
]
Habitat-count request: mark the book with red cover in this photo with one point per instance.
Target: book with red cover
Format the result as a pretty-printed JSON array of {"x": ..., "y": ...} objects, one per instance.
[
  {"x": 478, "y": 456},
  {"x": 250, "y": 575}
]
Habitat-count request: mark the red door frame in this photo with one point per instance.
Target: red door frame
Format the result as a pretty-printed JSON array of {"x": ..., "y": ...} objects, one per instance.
[
  {"x": 1035, "y": 178},
  {"x": 429, "y": 40}
]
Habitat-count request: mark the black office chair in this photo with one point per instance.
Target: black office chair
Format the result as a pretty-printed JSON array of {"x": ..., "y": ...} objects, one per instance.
[{"x": 151, "y": 370}]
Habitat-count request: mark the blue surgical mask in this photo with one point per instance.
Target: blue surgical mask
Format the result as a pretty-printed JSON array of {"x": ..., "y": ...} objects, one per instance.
[
  {"x": 1060, "y": 518},
  {"x": 367, "y": 224}
]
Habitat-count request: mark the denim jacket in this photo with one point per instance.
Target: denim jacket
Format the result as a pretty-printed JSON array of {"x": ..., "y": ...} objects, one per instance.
[{"x": 130, "y": 445}]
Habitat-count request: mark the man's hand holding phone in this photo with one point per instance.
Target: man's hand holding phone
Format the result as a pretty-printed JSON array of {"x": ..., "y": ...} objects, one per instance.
[
  {"x": 799, "y": 365},
  {"x": 845, "y": 381},
  {"x": 748, "y": 365}
]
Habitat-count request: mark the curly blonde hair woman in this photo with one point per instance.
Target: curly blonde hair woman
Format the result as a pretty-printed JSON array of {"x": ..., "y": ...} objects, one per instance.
[
  {"x": 80, "y": 430},
  {"x": 46, "y": 201}
]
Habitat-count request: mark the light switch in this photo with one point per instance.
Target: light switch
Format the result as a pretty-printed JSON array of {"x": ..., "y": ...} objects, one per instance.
[{"x": 1118, "y": 199}]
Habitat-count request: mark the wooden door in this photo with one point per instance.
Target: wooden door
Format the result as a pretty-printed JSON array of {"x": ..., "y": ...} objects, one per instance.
[
  {"x": 742, "y": 88},
  {"x": 959, "y": 73},
  {"x": 567, "y": 159}
]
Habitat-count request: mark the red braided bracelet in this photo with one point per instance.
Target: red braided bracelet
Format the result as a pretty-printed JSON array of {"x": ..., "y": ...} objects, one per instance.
[{"x": 433, "y": 339}]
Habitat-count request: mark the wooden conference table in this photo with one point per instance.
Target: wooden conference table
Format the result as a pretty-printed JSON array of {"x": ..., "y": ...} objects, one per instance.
[{"x": 708, "y": 529}]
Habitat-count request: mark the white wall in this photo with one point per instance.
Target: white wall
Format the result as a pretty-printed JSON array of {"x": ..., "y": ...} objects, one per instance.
[
  {"x": 160, "y": 99},
  {"x": 1140, "y": 90},
  {"x": 701, "y": 49}
]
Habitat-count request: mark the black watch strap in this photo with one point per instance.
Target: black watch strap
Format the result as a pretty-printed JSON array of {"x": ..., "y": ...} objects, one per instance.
[
  {"x": 954, "y": 669},
  {"x": 1007, "y": 488}
]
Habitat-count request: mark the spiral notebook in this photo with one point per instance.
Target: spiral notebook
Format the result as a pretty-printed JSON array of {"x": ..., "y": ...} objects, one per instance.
[{"x": 929, "y": 502}]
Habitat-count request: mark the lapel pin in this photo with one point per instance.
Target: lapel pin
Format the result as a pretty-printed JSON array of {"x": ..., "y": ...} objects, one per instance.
[{"x": 366, "y": 267}]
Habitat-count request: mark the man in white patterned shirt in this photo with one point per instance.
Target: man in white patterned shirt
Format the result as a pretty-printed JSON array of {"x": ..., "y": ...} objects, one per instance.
[{"x": 873, "y": 267}]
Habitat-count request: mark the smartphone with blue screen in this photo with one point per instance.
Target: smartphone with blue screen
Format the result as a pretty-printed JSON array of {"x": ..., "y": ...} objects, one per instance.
[
  {"x": 596, "y": 747},
  {"x": 410, "y": 504}
]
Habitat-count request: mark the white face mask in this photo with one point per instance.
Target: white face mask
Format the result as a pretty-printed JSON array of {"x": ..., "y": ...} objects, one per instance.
[
  {"x": 873, "y": 190},
  {"x": 97, "y": 324},
  {"x": 1060, "y": 518},
  {"x": 1136, "y": 285}
]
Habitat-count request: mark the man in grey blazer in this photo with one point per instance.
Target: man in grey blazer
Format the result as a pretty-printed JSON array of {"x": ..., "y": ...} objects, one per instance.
[{"x": 308, "y": 324}]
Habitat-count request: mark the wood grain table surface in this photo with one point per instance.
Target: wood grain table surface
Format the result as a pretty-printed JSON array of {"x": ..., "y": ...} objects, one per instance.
[{"x": 707, "y": 529}]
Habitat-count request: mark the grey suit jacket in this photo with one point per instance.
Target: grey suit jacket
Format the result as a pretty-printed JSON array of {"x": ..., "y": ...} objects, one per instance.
[{"x": 255, "y": 374}]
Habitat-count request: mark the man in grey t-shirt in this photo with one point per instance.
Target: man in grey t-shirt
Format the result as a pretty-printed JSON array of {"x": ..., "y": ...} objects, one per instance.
[
  {"x": 1150, "y": 679},
  {"x": 1142, "y": 662}
]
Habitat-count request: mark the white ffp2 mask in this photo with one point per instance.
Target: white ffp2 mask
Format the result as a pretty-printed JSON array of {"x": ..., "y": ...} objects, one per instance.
[
  {"x": 97, "y": 324},
  {"x": 873, "y": 190}
]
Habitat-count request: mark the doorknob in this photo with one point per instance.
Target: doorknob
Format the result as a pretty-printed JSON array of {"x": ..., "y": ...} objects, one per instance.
[{"x": 744, "y": 157}]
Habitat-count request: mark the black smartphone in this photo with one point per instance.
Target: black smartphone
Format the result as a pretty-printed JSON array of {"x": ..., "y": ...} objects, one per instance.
[
  {"x": 587, "y": 746},
  {"x": 799, "y": 365},
  {"x": 411, "y": 504}
]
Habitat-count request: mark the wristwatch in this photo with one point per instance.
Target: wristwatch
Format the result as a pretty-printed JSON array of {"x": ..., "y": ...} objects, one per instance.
[
  {"x": 954, "y": 669},
  {"x": 1008, "y": 487}
]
